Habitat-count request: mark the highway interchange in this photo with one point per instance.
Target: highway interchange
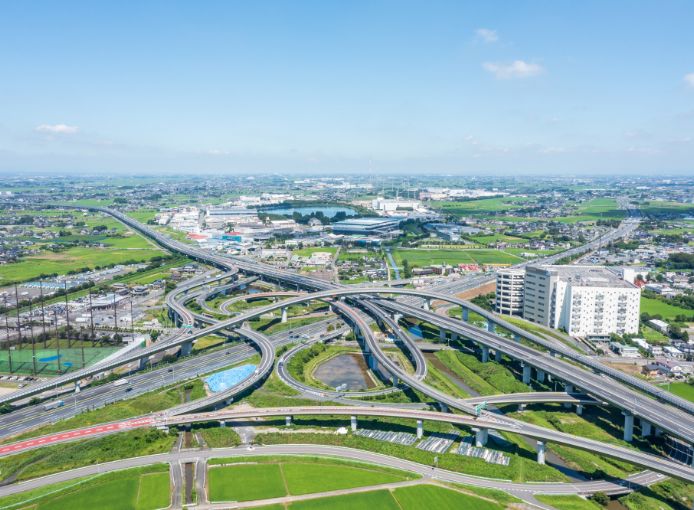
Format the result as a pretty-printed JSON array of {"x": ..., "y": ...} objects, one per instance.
[{"x": 586, "y": 380}]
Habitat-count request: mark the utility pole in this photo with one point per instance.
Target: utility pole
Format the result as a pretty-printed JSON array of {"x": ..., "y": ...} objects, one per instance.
[
  {"x": 43, "y": 317},
  {"x": 33, "y": 341},
  {"x": 132, "y": 322},
  {"x": 57, "y": 337},
  {"x": 7, "y": 328},
  {"x": 19, "y": 323},
  {"x": 91, "y": 317},
  {"x": 67, "y": 318}
]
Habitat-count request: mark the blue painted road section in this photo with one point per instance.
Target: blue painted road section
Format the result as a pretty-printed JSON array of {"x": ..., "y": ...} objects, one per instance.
[{"x": 228, "y": 378}]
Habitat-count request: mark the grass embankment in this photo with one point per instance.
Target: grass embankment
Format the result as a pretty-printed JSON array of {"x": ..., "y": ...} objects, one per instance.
[
  {"x": 145, "y": 488},
  {"x": 248, "y": 479},
  {"x": 62, "y": 457},
  {"x": 521, "y": 468},
  {"x": 568, "y": 502},
  {"x": 485, "y": 378},
  {"x": 681, "y": 389}
]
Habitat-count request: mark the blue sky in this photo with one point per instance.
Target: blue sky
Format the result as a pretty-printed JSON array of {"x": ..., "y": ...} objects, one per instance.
[{"x": 522, "y": 87}]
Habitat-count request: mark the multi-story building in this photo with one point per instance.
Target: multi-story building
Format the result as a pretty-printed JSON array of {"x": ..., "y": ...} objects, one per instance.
[
  {"x": 509, "y": 291},
  {"x": 586, "y": 301}
]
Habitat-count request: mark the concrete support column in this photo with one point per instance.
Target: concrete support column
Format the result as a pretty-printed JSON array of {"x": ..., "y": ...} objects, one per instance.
[
  {"x": 373, "y": 363},
  {"x": 143, "y": 363},
  {"x": 628, "y": 426},
  {"x": 427, "y": 304},
  {"x": 517, "y": 337},
  {"x": 443, "y": 407},
  {"x": 284, "y": 314},
  {"x": 395, "y": 379},
  {"x": 540, "y": 452},
  {"x": 485, "y": 354},
  {"x": 481, "y": 436},
  {"x": 540, "y": 375},
  {"x": 527, "y": 370},
  {"x": 222, "y": 423},
  {"x": 454, "y": 337},
  {"x": 288, "y": 421},
  {"x": 491, "y": 327},
  {"x": 420, "y": 429},
  {"x": 78, "y": 387},
  {"x": 397, "y": 317},
  {"x": 497, "y": 355},
  {"x": 187, "y": 348},
  {"x": 521, "y": 408},
  {"x": 579, "y": 409},
  {"x": 442, "y": 335},
  {"x": 658, "y": 432},
  {"x": 354, "y": 423},
  {"x": 569, "y": 388},
  {"x": 465, "y": 314},
  {"x": 646, "y": 428}
]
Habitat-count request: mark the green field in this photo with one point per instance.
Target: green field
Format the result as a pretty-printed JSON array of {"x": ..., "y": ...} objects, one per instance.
[
  {"x": 414, "y": 497},
  {"x": 306, "y": 252},
  {"x": 482, "y": 207},
  {"x": 273, "y": 477},
  {"x": 568, "y": 502},
  {"x": 421, "y": 258},
  {"x": 666, "y": 310},
  {"x": 681, "y": 389},
  {"x": 133, "y": 489}
]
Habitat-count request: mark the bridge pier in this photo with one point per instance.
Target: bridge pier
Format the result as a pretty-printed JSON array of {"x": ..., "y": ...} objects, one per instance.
[
  {"x": 628, "y": 426},
  {"x": 569, "y": 388},
  {"x": 491, "y": 327},
  {"x": 78, "y": 387},
  {"x": 497, "y": 355},
  {"x": 143, "y": 363},
  {"x": 540, "y": 375},
  {"x": 397, "y": 317},
  {"x": 485, "y": 354},
  {"x": 427, "y": 304},
  {"x": 454, "y": 337},
  {"x": 443, "y": 407},
  {"x": 222, "y": 423},
  {"x": 186, "y": 348},
  {"x": 372, "y": 362},
  {"x": 521, "y": 408},
  {"x": 395, "y": 380},
  {"x": 527, "y": 370},
  {"x": 646, "y": 428},
  {"x": 420, "y": 429},
  {"x": 465, "y": 315},
  {"x": 442, "y": 335},
  {"x": 517, "y": 337},
  {"x": 579, "y": 409},
  {"x": 481, "y": 436},
  {"x": 288, "y": 421},
  {"x": 353, "y": 423},
  {"x": 284, "y": 314},
  {"x": 541, "y": 452}
]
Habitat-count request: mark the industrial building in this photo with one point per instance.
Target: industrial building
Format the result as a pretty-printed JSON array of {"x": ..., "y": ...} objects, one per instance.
[{"x": 367, "y": 226}]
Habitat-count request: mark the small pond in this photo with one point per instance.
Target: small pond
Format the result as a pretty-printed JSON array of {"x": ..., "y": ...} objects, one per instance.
[{"x": 348, "y": 369}]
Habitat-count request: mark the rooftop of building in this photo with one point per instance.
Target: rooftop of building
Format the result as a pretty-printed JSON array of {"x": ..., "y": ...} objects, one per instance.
[{"x": 587, "y": 276}]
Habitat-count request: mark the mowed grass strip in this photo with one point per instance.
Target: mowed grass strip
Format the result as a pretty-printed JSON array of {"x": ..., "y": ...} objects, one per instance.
[
  {"x": 440, "y": 498},
  {"x": 246, "y": 482}
]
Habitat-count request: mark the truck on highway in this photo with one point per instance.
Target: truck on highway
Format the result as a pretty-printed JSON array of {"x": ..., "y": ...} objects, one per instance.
[
  {"x": 120, "y": 382},
  {"x": 53, "y": 405}
]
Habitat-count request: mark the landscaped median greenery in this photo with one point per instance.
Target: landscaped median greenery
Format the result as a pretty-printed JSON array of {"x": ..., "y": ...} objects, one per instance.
[
  {"x": 145, "y": 488},
  {"x": 252, "y": 478},
  {"x": 61, "y": 457},
  {"x": 568, "y": 502}
]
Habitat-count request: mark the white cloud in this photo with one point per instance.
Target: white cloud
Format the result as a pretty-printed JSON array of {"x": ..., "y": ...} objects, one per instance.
[
  {"x": 487, "y": 35},
  {"x": 689, "y": 79},
  {"x": 516, "y": 69},
  {"x": 57, "y": 129}
]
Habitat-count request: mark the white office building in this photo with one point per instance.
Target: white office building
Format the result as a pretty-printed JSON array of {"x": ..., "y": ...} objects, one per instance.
[
  {"x": 509, "y": 291},
  {"x": 585, "y": 301}
]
